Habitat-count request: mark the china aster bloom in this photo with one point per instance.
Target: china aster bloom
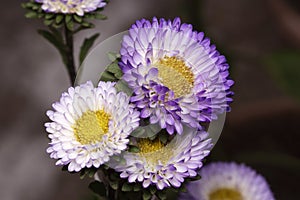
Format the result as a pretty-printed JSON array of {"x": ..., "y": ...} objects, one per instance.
[
  {"x": 71, "y": 6},
  {"x": 176, "y": 74},
  {"x": 229, "y": 181},
  {"x": 166, "y": 165},
  {"x": 89, "y": 125}
]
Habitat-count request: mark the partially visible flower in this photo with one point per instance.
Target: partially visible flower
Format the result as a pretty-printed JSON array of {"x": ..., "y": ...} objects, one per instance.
[
  {"x": 166, "y": 165},
  {"x": 89, "y": 125},
  {"x": 176, "y": 74},
  {"x": 229, "y": 181},
  {"x": 71, "y": 6}
]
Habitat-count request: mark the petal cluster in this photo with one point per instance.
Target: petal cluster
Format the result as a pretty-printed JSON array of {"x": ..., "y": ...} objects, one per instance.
[
  {"x": 78, "y": 7},
  {"x": 230, "y": 176},
  {"x": 176, "y": 74},
  {"x": 66, "y": 114},
  {"x": 170, "y": 165}
]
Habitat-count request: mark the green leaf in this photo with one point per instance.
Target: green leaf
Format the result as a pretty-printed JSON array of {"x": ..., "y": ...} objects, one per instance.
[
  {"x": 49, "y": 16},
  {"x": 56, "y": 42},
  {"x": 31, "y": 15},
  {"x": 137, "y": 187},
  {"x": 77, "y": 18},
  {"x": 112, "y": 56},
  {"x": 162, "y": 195},
  {"x": 85, "y": 47},
  {"x": 107, "y": 76},
  {"x": 70, "y": 25},
  {"x": 127, "y": 187},
  {"x": 133, "y": 149},
  {"x": 163, "y": 137},
  {"x": 285, "y": 68},
  {"x": 152, "y": 190},
  {"x": 100, "y": 16},
  {"x": 122, "y": 86},
  {"x": 48, "y": 22},
  {"x": 146, "y": 195},
  {"x": 114, "y": 185},
  {"x": 68, "y": 18},
  {"x": 59, "y": 19},
  {"x": 98, "y": 188}
]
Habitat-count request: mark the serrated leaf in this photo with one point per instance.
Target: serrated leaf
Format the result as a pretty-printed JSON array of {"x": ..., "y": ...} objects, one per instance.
[
  {"x": 31, "y": 15},
  {"x": 98, "y": 188},
  {"x": 86, "y": 45},
  {"x": 127, "y": 187}
]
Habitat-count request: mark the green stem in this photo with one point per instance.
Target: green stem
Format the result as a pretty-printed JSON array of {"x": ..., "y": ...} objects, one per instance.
[{"x": 70, "y": 64}]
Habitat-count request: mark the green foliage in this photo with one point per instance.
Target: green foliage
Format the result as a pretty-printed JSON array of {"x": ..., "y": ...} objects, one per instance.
[
  {"x": 55, "y": 38},
  {"x": 285, "y": 68},
  {"x": 112, "y": 72},
  {"x": 86, "y": 45},
  {"x": 98, "y": 188}
]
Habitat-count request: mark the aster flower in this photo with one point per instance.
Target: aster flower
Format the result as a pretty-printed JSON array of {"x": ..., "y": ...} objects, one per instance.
[
  {"x": 166, "y": 165},
  {"x": 71, "y": 6},
  {"x": 89, "y": 125},
  {"x": 229, "y": 181},
  {"x": 176, "y": 74}
]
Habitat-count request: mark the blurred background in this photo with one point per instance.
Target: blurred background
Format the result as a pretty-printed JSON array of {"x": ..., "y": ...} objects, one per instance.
[{"x": 261, "y": 40}]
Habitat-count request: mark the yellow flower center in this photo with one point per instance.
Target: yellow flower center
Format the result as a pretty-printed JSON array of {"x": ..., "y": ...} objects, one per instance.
[
  {"x": 91, "y": 126},
  {"x": 225, "y": 194},
  {"x": 154, "y": 151},
  {"x": 175, "y": 75}
]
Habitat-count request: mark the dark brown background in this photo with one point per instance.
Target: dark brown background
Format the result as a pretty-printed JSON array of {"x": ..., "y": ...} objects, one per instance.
[{"x": 262, "y": 129}]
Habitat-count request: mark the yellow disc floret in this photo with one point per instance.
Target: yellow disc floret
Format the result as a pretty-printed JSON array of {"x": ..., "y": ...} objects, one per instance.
[
  {"x": 154, "y": 151},
  {"x": 175, "y": 75},
  {"x": 91, "y": 126},
  {"x": 225, "y": 194}
]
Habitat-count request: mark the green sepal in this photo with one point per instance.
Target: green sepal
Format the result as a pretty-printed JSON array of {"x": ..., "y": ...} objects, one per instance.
[
  {"x": 48, "y": 22},
  {"x": 98, "y": 188},
  {"x": 126, "y": 187},
  {"x": 137, "y": 187},
  {"x": 85, "y": 47},
  {"x": 133, "y": 149},
  {"x": 161, "y": 194},
  {"x": 100, "y": 16},
  {"x": 146, "y": 195},
  {"x": 77, "y": 18},
  {"x": 59, "y": 18},
  {"x": 114, "y": 184},
  {"x": 31, "y": 15}
]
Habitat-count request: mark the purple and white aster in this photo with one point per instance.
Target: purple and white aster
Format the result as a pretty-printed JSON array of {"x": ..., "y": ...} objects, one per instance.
[
  {"x": 71, "y": 6},
  {"x": 224, "y": 181},
  {"x": 176, "y": 74},
  {"x": 166, "y": 165},
  {"x": 89, "y": 125}
]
